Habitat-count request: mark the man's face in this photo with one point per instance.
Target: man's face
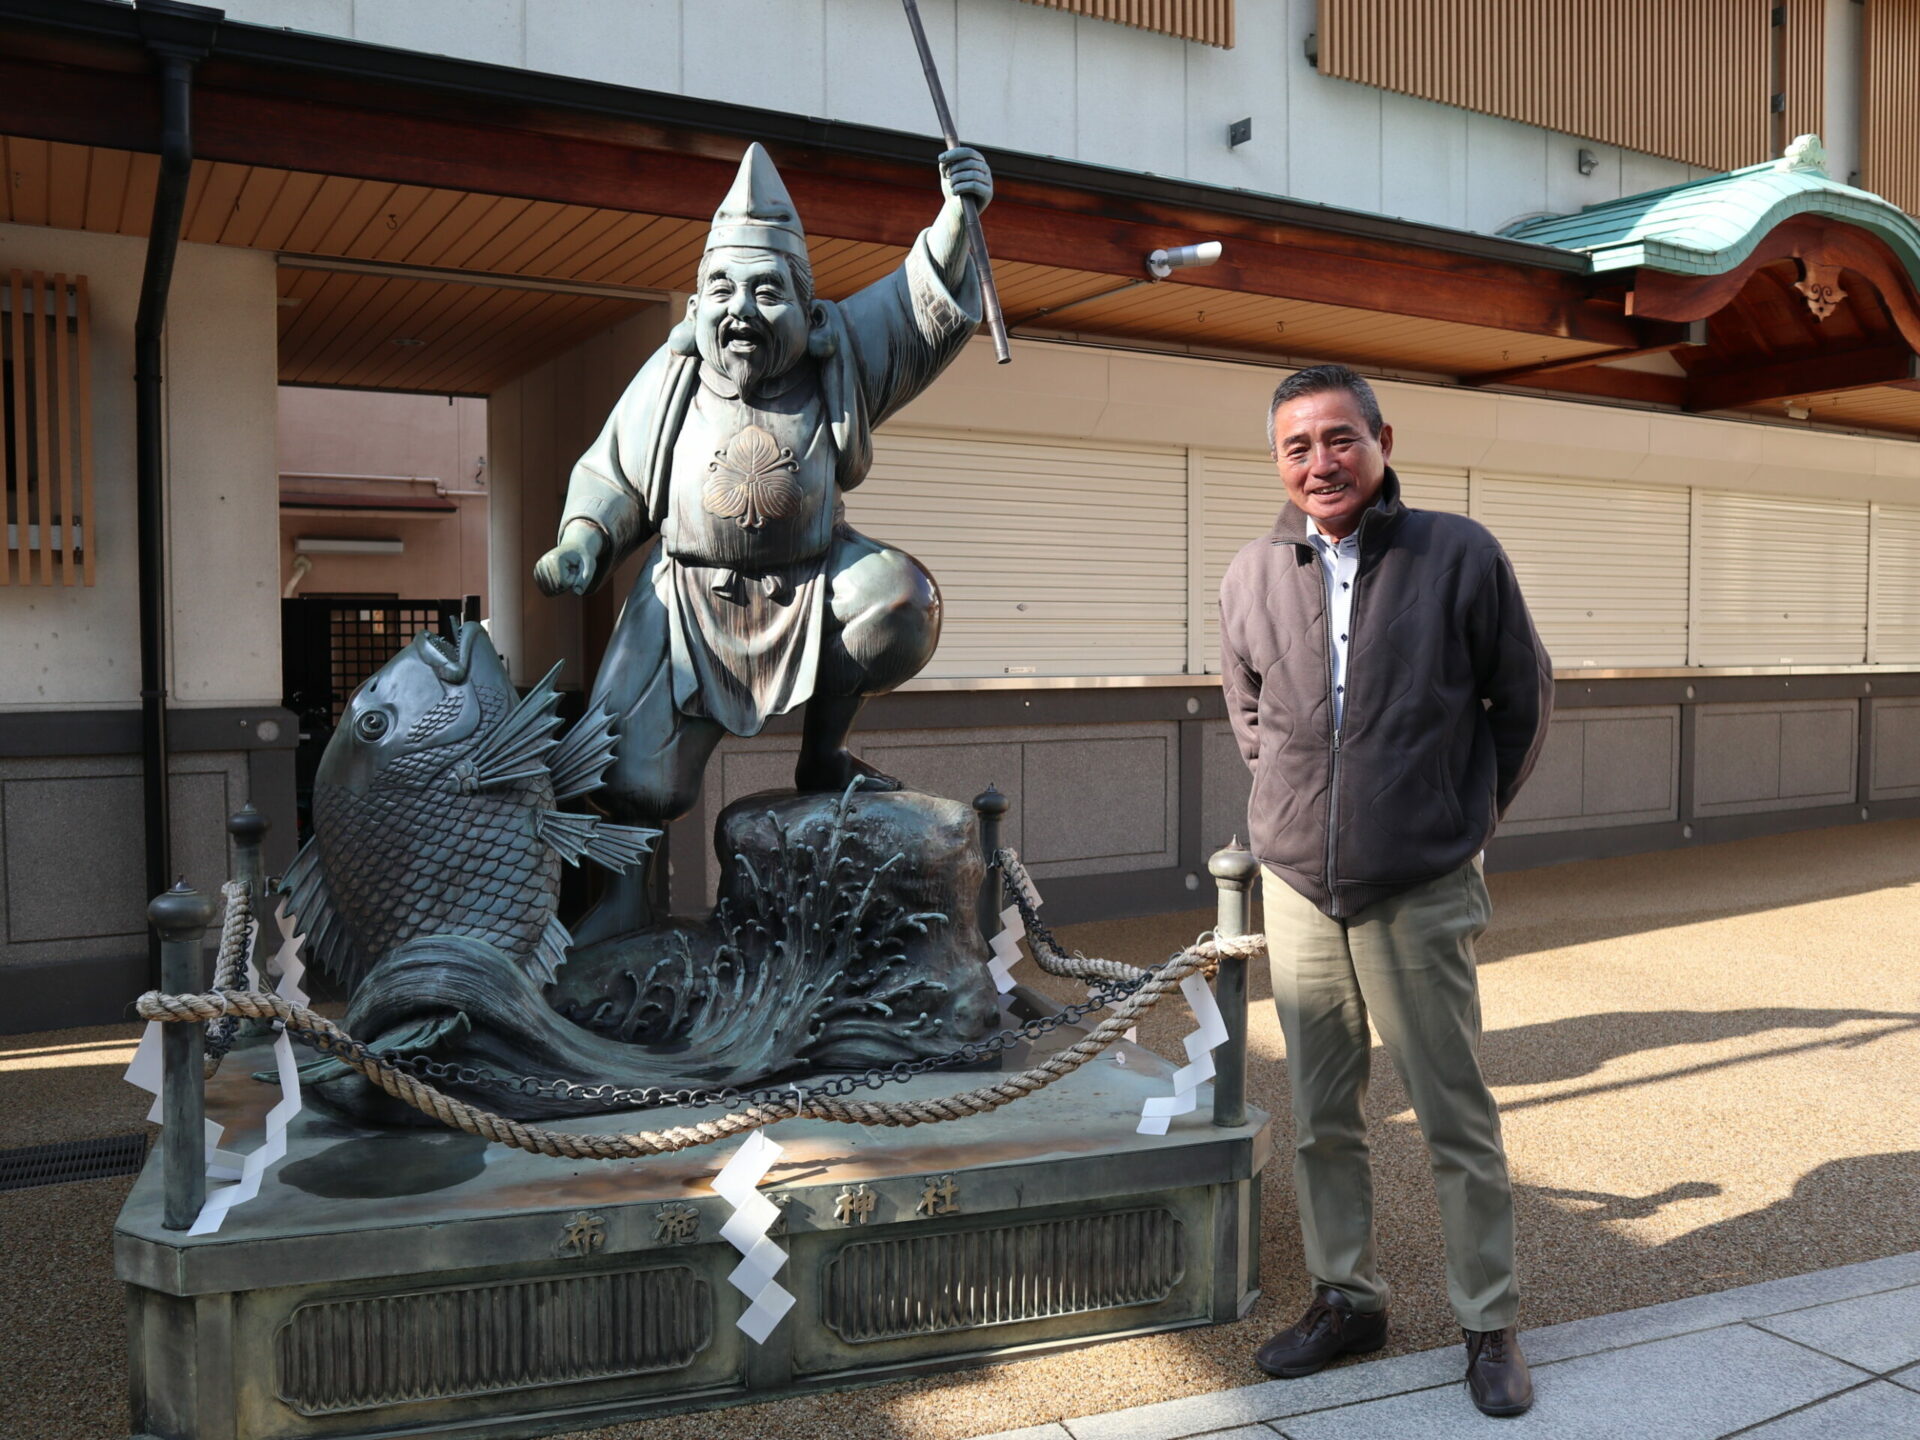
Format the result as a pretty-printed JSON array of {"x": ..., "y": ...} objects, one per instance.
[
  {"x": 748, "y": 319},
  {"x": 1329, "y": 460}
]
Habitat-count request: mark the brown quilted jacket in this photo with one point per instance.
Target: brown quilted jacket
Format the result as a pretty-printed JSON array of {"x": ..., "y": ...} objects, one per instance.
[{"x": 1448, "y": 694}]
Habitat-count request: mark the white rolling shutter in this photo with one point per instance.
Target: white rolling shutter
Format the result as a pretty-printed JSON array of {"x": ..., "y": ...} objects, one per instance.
[
  {"x": 1603, "y": 567},
  {"x": 1053, "y": 557},
  {"x": 1894, "y": 593},
  {"x": 1779, "y": 581},
  {"x": 1243, "y": 493}
]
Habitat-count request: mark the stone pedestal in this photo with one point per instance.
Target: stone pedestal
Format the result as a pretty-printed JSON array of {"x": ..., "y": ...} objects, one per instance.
[{"x": 387, "y": 1283}]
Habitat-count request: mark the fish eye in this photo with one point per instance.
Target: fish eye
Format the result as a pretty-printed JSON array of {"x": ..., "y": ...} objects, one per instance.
[{"x": 372, "y": 725}]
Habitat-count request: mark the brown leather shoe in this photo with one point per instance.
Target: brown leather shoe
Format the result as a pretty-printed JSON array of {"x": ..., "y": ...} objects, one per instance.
[
  {"x": 1330, "y": 1328},
  {"x": 1497, "y": 1374}
]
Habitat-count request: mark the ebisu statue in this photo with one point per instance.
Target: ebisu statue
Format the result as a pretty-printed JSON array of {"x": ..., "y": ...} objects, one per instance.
[
  {"x": 729, "y": 454},
  {"x": 844, "y": 935}
]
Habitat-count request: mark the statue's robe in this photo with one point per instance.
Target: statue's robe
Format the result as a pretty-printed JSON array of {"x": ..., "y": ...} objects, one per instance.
[{"x": 746, "y": 523}]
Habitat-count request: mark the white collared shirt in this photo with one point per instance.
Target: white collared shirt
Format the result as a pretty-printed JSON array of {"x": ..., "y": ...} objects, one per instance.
[{"x": 1340, "y": 563}]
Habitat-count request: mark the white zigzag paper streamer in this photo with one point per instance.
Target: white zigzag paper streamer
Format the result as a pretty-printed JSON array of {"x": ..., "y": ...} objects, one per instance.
[
  {"x": 753, "y": 1215},
  {"x": 1006, "y": 948},
  {"x": 247, "y": 1170},
  {"x": 1187, "y": 1080}
]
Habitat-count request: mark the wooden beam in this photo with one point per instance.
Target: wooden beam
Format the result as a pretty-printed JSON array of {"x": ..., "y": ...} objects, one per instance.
[
  {"x": 1810, "y": 375},
  {"x": 1691, "y": 333}
]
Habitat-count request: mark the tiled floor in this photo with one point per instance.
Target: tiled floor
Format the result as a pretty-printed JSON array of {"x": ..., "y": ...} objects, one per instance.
[{"x": 1830, "y": 1356}]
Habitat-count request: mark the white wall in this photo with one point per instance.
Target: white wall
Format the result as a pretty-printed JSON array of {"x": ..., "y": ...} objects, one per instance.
[
  {"x": 537, "y": 427},
  {"x": 223, "y": 539},
  {"x": 79, "y": 647},
  {"x": 1028, "y": 78}
]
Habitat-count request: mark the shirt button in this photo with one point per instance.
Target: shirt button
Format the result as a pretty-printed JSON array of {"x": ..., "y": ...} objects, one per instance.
[
  {"x": 1343, "y": 637},
  {"x": 1343, "y": 585},
  {"x": 1341, "y": 688}
]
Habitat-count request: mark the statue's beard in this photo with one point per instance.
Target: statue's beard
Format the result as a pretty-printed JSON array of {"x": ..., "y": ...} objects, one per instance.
[{"x": 748, "y": 353}]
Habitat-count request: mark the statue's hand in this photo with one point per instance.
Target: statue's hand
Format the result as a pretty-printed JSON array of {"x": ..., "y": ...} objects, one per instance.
[
  {"x": 571, "y": 564},
  {"x": 964, "y": 175}
]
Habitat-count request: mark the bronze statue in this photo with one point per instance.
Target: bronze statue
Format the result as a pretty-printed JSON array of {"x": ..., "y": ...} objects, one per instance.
[{"x": 729, "y": 454}]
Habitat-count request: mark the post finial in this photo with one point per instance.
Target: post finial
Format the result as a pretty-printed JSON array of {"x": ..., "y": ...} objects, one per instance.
[
  {"x": 181, "y": 913},
  {"x": 1233, "y": 863},
  {"x": 248, "y": 825},
  {"x": 991, "y": 802}
]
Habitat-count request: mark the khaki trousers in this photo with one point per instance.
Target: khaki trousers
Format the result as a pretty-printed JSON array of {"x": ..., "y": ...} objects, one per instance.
[{"x": 1408, "y": 963}]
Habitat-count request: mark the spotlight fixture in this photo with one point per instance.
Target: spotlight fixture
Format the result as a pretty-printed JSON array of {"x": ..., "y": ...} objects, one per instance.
[
  {"x": 1587, "y": 161},
  {"x": 1798, "y": 410},
  {"x": 1162, "y": 263}
]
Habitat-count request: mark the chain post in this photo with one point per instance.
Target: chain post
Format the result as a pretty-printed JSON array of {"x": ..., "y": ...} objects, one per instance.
[
  {"x": 180, "y": 918},
  {"x": 991, "y": 806},
  {"x": 1233, "y": 870}
]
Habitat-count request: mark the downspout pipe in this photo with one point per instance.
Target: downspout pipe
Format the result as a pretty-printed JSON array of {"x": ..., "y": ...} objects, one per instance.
[{"x": 179, "y": 36}]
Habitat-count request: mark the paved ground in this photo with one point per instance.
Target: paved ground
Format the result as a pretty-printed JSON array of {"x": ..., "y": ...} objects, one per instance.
[
  {"x": 1706, "y": 1060},
  {"x": 1830, "y": 1356}
]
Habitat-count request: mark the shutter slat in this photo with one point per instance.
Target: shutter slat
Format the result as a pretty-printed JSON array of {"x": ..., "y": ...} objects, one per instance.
[
  {"x": 1603, "y": 567},
  {"x": 1090, "y": 539},
  {"x": 1781, "y": 581}
]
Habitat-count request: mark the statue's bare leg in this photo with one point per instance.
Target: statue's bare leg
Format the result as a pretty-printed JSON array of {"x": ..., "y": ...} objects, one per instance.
[
  {"x": 883, "y": 621},
  {"x": 659, "y": 756}
]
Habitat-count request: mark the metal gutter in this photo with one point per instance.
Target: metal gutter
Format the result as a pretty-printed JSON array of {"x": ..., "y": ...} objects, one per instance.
[
  {"x": 178, "y": 36},
  {"x": 506, "y": 86}
]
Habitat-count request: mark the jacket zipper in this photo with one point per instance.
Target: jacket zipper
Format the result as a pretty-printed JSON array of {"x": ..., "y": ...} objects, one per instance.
[
  {"x": 1337, "y": 712},
  {"x": 1333, "y": 722}
]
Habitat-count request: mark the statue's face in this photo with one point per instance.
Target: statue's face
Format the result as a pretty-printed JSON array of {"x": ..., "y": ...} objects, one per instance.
[{"x": 748, "y": 318}]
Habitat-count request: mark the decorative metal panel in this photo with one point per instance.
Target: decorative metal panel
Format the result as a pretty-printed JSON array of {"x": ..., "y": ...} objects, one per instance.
[
  {"x": 1244, "y": 493},
  {"x": 1889, "y": 138},
  {"x": 1208, "y": 21},
  {"x": 1778, "y": 581},
  {"x": 1053, "y": 557},
  {"x": 932, "y": 1284},
  {"x": 363, "y": 1353},
  {"x": 1603, "y": 567},
  {"x": 1686, "y": 79}
]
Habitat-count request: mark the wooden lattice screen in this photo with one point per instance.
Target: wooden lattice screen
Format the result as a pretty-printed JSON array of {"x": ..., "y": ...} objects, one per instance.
[{"x": 48, "y": 503}]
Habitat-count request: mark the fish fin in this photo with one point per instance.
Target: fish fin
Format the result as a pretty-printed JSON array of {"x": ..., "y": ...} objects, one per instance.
[
  {"x": 323, "y": 933},
  {"x": 583, "y": 756},
  {"x": 522, "y": 745},
  {"x": 578, "y": 837},
  {"x": 551, "y": 951}
]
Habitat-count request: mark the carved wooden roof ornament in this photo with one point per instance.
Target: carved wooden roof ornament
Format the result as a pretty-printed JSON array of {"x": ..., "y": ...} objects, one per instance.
[{"x": 1820, "y": 282}]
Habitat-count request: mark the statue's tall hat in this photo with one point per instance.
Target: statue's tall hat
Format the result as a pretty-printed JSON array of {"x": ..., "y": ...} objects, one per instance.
[{"x": 758, "y": 212}]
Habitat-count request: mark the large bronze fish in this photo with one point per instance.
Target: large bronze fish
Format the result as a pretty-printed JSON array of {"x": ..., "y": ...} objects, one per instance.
[{"x": 434, "y": 814}]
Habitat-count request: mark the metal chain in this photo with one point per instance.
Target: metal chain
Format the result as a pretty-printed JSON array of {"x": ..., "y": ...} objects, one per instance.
[{"x": 1100, "y": 995}]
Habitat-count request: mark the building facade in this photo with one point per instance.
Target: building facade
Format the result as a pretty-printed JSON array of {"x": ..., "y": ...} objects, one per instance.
[{"x": 1617, "y": 309}]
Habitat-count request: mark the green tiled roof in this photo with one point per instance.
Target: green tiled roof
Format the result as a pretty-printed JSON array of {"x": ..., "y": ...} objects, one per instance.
[{"x": 1708, "y": 227}]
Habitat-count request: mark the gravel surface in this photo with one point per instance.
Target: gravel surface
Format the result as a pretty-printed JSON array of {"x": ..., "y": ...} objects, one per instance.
[{"x": 1706, "y": 1061}]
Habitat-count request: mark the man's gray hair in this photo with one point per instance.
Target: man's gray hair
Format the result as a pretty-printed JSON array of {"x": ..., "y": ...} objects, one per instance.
[
  {"x": 1317, "y": 380},
  {"x": 798, "y": 266}
]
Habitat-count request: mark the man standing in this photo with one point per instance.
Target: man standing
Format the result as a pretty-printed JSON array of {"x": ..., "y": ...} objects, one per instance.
[
  {"x": 1390, "y": 695},
  {"x": 733, "y": 447}
]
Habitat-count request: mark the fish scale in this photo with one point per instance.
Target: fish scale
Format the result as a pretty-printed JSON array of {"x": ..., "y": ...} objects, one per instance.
[{"x": 490, "y": 885}]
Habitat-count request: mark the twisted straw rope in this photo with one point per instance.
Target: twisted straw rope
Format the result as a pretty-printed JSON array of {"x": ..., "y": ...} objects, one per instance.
[
  {"x": 569, "y": 1145},
  {"x": 229, "y": 970}
]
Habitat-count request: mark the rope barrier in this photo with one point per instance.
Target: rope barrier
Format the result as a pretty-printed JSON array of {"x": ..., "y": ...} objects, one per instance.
[{"x": 225, "y": 1004}]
